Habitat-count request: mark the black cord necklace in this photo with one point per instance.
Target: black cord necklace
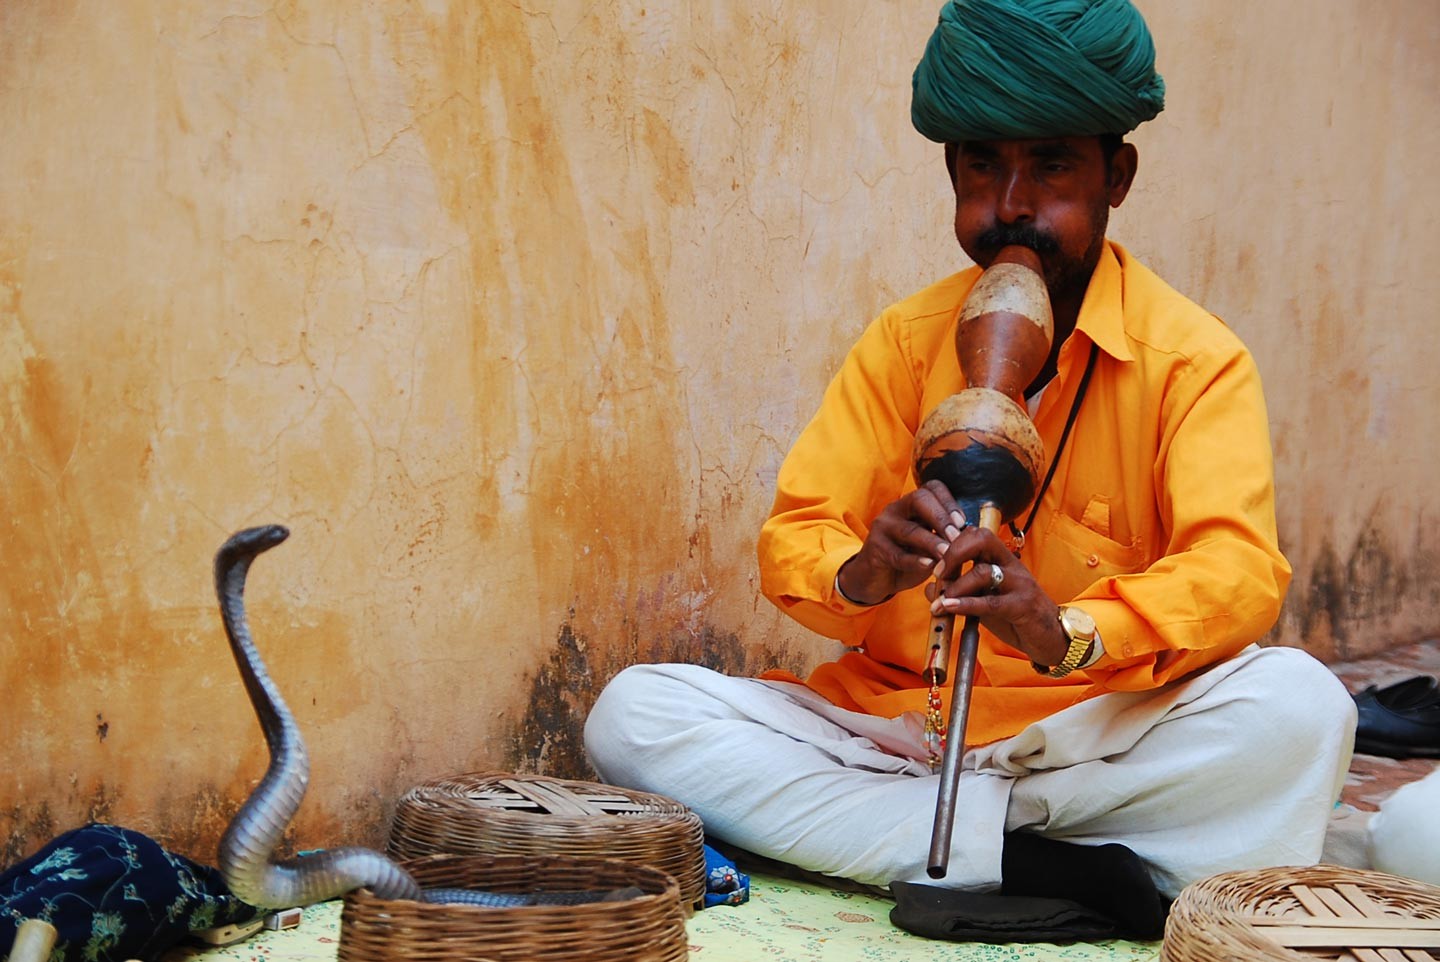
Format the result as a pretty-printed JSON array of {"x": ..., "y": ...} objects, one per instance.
[{"x": 1020, "y": 533}]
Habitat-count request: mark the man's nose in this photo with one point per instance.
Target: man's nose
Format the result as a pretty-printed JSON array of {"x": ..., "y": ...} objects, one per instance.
[{"x": 1017, "y": 200}]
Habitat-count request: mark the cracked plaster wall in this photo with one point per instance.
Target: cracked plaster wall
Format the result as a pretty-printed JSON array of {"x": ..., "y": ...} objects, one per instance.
[{"x": 510, "y": 311}]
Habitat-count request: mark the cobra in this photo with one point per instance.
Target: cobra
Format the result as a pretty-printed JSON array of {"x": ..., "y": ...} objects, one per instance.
[{"x": 248, "y": 845}]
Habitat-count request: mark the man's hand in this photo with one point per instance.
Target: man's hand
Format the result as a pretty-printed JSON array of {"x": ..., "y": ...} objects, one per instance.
[
  {"x": 906, "y": 542},
  {"x": 1017, "y": 612}
]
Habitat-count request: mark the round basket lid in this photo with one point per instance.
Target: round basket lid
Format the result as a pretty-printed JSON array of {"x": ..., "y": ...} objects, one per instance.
[
  {"x": 503, "y": 813},
  {"x": 539, "y": 795},
  {"x": 1299, "y": 914}
]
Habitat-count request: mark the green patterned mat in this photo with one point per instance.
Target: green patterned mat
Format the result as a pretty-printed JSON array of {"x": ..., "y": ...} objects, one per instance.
[{"x": 784, "y": 921}]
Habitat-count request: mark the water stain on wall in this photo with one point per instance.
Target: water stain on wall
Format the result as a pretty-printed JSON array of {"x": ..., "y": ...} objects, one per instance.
[
  {"x": 549, "y": 737},
  {"x": 1376, "y": 594},
  {"x": 27, "y": 825},
  {"x": 578, "y": 399}
]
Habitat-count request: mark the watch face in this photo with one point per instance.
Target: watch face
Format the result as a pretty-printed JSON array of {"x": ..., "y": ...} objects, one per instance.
[{"x": 1078, "y": 622}]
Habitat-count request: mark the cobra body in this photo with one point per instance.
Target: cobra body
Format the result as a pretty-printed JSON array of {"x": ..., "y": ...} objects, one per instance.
[
  {"x": 250, "y": 839},
  {"x": 249, "y": 842}
]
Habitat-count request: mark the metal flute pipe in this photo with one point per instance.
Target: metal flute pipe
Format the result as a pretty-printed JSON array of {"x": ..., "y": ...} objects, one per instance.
[{"x": 944, "y": 826}]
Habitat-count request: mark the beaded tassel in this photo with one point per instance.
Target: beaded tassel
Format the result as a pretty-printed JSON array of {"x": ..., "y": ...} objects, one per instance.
[{"x": 934, "y": 717}]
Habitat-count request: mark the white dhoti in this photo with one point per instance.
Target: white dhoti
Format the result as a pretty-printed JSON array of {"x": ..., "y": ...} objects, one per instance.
[{"x": 1236, "y": 767}]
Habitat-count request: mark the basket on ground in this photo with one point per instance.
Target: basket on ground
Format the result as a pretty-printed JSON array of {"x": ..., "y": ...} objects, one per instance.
[
  {"x": 499, "y": 813},
  {"x": 1294, "y": 914},
  {"x": 646, "y": 928}
]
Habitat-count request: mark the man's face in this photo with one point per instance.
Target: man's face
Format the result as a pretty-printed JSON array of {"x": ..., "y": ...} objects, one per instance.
[{"x": 1052, "y": 195}]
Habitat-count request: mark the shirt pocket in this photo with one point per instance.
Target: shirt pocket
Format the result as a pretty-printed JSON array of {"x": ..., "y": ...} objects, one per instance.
[{"x": 1074, "y": 557}]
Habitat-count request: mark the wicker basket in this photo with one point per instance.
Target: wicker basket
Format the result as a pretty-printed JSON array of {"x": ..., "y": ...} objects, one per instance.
[
  {"x": 648, "y": 928},
  {"x": 1256, "y": 914},
  {"x": 498, "y": 813}
]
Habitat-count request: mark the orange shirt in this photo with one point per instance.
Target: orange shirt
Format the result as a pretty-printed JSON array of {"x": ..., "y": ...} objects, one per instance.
[{"x": 1159, "y": 522}]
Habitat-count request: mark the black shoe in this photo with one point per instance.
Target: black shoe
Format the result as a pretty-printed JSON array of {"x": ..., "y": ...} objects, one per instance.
[{"x": 1400, "y": 720}]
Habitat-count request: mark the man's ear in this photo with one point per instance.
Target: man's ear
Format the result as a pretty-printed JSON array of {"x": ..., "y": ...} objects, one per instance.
[{"x": 1121, "y": 173}]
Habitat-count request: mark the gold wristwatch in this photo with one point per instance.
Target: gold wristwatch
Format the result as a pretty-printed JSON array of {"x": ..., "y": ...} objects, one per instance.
[{"x": 1080, "y": 628}]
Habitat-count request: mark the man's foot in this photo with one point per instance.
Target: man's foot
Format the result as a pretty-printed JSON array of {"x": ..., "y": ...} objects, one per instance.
[{"x": 1110, "y": 879}]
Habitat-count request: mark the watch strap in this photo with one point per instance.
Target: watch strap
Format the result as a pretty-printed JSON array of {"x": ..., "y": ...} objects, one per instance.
[
  {"x": 1097, "y": 651},
  {"x": 1081, "y": 650}
]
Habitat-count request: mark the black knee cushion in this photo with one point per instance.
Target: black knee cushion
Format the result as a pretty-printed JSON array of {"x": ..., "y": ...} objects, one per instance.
[{"x": 939, "y": 913}]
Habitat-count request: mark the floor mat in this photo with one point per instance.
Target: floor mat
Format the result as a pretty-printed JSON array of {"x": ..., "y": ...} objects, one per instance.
[{"x": 784, "y": 921}]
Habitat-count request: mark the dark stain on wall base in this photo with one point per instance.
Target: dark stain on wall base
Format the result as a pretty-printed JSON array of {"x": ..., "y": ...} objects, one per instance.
[
  {"x": 189, "y": 825},
  {"x": 197, "y": 822},
  {"x": 549, "y": 739},
  {"x": 26, "y": 828},
  {"x": 1355, "y": 606}
]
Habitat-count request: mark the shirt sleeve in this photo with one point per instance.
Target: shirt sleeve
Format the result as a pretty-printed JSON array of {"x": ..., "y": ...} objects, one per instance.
[
  {"x": 850, "y": 461},
  {"x": 1221, "y": 577}
]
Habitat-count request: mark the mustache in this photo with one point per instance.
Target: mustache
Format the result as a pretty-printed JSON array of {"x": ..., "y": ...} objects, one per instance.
[{"x": 1024, "y": 235}]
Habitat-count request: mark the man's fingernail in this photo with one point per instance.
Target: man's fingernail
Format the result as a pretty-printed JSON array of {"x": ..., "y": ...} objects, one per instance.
[
  {"x": 940, "y": 569},
  {"x": 927, "y": 562},
  {"x": 958, "y": 518},
  {"x": 952, "y": 532}
]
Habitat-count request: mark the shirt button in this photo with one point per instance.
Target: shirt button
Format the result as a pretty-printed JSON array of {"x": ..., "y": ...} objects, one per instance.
[{"x": 1093, "y": 560}]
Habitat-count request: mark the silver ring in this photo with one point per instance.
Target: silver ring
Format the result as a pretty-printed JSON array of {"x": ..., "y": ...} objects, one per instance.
[{"x": 997, "y": 578}]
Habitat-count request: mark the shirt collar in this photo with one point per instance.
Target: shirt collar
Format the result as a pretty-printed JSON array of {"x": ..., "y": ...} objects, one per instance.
[{"x": 1102, "y": 313}]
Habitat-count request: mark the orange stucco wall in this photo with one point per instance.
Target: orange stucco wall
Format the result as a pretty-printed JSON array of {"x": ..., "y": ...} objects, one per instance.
[{"x": 510, "y": 313}]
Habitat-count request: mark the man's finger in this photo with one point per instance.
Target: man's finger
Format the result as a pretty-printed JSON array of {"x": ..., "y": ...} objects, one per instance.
[
  {"x": 919, "y": 540},
  {"x": 933, "y": 504}
]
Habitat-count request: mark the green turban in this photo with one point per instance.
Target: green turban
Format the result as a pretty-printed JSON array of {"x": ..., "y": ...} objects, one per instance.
[{"x": 1002, "y": 69}]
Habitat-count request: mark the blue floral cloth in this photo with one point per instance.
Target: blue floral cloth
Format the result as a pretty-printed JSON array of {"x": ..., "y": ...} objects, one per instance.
[
  {"x": 724, "y": 883},
  {"x": 113, "y": 894}
]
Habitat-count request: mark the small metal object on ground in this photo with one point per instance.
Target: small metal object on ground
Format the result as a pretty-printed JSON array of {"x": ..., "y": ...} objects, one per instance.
[
  {"x": 284, "y": 919},
  {"x": 1296, "y": 914}
]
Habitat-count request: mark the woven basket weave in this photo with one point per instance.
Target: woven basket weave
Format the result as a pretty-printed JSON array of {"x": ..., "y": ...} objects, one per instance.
[
  {"x": 648, "y": 928},
  {"x": 498, "y": 813},
  {"x": 1211, "y": 920}
]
